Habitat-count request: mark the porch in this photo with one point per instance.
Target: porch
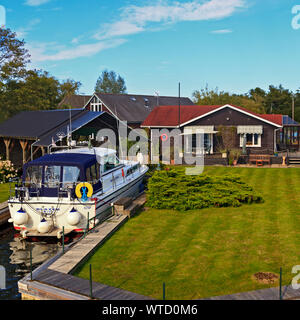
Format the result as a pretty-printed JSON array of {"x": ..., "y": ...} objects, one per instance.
[{"x": 288, "y": 138}]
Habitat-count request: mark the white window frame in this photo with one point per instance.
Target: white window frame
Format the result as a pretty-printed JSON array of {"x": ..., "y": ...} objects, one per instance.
[
  {"x": 96, "y": 107},
  {"x": 258, "y": 145}
]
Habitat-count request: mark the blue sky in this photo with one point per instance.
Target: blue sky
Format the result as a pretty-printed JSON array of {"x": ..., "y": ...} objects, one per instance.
[{"x": 234, "y": 45}]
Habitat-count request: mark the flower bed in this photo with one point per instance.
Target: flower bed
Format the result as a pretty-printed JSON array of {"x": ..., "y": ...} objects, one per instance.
[{"x": 7, "y": 171}]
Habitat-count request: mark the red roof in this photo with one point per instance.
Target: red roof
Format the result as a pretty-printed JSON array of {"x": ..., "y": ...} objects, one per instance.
[
  {"x": 275, "y": 118},
  {"x": 168, "y": 116}
]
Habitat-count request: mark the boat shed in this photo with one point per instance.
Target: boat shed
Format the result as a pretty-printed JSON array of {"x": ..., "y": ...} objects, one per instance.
[{"x": 31, "y": 134}]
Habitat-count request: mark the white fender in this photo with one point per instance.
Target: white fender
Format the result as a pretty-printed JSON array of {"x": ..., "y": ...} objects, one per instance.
[
  {"x": 44, "y": 226},
  {"x": 20, "y": 217},
  {"x": 73, "y": 218}
]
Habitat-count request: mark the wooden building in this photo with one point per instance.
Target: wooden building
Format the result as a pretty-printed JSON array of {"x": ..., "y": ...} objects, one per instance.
[
  {"x": 131, "y": 108},
  {"x": 262, "y": 132},
  {"x": 32, "y": 134}
]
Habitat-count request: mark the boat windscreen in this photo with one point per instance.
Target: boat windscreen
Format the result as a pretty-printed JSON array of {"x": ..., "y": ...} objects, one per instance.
[
  {"x": 110, "y": 162},
  {"x": 52, "y": 176},
  {"x": 34, "y": 176},
  {"x": 71, "y": 175}
]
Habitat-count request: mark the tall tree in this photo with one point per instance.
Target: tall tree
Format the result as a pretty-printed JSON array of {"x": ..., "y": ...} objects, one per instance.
[
  {"x": 110, "y": 82},
  {"x": 24, "y": 89},
  {"x": 38, "y": 91},
  {"x": 14, "y": 57},
  {"x": 68, "y": 87},
  {"x": 278, "y": 100},
  {"x": 208, "y": 96}
]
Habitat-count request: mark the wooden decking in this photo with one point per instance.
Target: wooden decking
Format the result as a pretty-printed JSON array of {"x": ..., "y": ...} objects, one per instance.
[
  {"x": 82, "y": 287},
  {"x": 85, "y": 247},
  {"x": 288, "y": 293}
]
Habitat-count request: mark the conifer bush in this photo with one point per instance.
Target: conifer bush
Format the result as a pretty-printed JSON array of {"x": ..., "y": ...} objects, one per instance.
[{"x": 173, "y": 189}]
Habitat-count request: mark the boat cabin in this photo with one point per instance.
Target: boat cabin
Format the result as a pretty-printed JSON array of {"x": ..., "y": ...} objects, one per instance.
[{"x": 54, "y": 174}]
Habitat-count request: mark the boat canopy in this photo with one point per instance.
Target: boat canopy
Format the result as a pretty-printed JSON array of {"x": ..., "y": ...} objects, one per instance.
[
  {"x": 60, "y": 168},
  {"x": 80, "y": 160}
]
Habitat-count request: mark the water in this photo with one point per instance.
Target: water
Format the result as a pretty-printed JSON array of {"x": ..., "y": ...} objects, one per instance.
[{"x": 15, "y": 258}]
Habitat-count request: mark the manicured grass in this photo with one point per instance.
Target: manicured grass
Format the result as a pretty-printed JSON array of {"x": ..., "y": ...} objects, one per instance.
[
  {"x": 4, "y": 192},
  {"x": 207, "y": 252}
]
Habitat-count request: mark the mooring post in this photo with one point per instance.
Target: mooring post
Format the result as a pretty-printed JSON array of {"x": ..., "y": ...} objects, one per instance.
[
  {"x": 87, "y": 225},
  {"x": 164, "y": 291},
  {"x": 30, "y": 254},
  {"x": 91, "y": 282},
  {"x": 63, "y": 239},
  {"x": 280, "y": 284}
]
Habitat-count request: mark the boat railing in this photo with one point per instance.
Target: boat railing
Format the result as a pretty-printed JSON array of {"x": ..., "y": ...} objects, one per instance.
[
  {"x": 12, "y": 189},
  {"x": 37, "y": 190},
  {"x": 65, "y": 148}
]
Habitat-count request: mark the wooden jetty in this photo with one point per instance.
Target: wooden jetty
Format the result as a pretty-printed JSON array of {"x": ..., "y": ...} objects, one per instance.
[
  {"x": 53, "y": 280},
  {"x": 288, "y": 293}
]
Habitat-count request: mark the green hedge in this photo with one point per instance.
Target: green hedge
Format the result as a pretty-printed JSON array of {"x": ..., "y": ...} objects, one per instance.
[{"x": 173, "y": 189}]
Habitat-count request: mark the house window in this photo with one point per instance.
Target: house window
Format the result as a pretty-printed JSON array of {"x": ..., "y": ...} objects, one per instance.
[
  {"x": 207, "y": 143},
  {"x": 252, "y": 140},
  {"x": 96, "y": 105}
]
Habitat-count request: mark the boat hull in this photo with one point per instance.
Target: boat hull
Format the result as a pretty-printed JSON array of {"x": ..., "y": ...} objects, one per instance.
[{"x": 56, "y": 213}]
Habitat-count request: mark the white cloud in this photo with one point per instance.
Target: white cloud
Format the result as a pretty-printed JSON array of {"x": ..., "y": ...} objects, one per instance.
[
  {"x": 75, "y": 40},
  {"x": 40, "y": 52},
  {"x": 35, "y": 3},
  {"x": 22, "y": 32},
  {"x": 222, "y": 31},
  {"x": 117, "y": 29},
  {"x": 135, "y": 19}
]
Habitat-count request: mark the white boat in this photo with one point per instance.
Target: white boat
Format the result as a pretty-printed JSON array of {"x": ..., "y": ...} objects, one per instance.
[{"x": 72, "y": 190}]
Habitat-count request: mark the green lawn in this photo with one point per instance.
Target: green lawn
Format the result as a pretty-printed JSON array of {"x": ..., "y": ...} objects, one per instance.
[
  {"x": 207, "y": 252},
  {"x": 4, "y": 192}
]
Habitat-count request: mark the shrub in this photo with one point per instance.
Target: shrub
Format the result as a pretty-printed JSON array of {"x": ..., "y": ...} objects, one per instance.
[{"x": 173, "y": 189}]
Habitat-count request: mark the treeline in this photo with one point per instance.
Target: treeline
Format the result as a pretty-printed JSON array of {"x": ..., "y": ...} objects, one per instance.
[
  {"x": 22, "y": 88},
  {"x": 276, "y": 100}
]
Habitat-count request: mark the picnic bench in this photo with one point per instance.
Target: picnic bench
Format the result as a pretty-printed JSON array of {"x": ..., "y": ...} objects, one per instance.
[{"x": 260, "y": 159}]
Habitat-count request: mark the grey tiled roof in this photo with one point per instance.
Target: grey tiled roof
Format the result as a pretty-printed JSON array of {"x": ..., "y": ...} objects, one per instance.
[{"x": 135, "y": 108}]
